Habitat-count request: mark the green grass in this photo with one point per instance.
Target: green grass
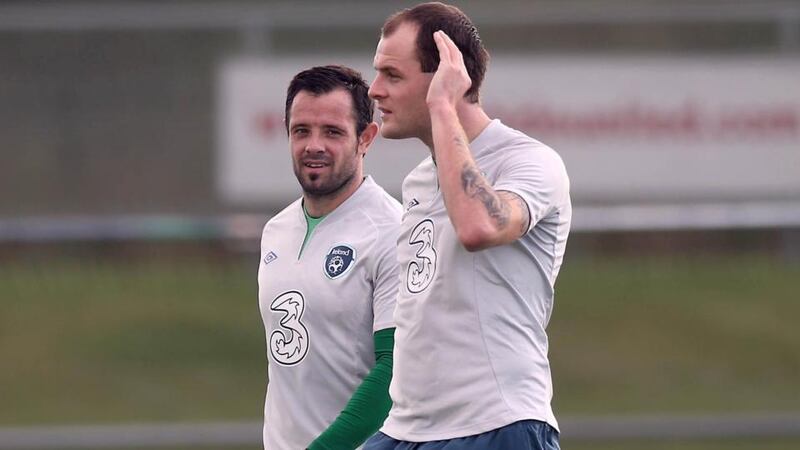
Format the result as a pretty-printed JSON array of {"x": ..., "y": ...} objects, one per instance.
[
  {"x": 676, "y": 335},
  {"x": 111, "y": 342},
  {"x": 107, "y": 341}
]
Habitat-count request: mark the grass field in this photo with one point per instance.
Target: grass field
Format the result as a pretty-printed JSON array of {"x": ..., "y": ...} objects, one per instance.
[
  {"x": 676, "y": 335},
  {"x": 109, "y": 340}
]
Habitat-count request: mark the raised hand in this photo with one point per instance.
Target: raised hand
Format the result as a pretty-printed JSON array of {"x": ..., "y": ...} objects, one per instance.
[{"x": 451, "y": 80}]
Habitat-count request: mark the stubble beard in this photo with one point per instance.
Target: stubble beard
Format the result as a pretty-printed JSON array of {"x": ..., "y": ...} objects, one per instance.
[
  {"x": 335, "y": 184},
  {"x": 327, "y": 189}
]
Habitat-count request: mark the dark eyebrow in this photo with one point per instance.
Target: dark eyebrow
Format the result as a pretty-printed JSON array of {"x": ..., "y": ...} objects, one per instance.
[{"x": 334, "y": 127}]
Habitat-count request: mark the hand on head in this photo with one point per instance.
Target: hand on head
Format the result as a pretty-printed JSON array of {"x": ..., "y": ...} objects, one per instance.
[{"x": 451, "y": 80}]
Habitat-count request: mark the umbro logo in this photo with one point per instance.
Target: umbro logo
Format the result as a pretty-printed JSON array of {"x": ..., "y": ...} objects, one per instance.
[
  {"x": 414, "y": 202},
  {"x": 271, "y": 256}
]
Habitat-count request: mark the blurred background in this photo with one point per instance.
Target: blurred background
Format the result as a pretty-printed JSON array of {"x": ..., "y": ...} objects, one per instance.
[{"x": 142, "y": 149}]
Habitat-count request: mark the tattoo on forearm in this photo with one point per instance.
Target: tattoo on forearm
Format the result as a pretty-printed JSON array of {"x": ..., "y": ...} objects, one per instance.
[
  {"x": 523, "y": 224},
  {"x": 475, "y": 186},
  {"x": 523, "y": 208}
]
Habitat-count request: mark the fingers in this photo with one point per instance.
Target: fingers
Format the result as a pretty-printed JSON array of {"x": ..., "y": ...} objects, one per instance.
[
  {"x": 441, "y": 40},
  {"x": 451, "y": 79},
  {"x": 453, "y": 52}
]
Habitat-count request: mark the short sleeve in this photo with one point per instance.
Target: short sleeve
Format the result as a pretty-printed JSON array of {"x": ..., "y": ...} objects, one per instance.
[
  {"x": 537, "y": 174},
  {"x": 385, "y": 278}
]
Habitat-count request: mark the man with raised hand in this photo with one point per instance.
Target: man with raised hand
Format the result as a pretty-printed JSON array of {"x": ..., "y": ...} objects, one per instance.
[
  {"x": 481, "y": 242},
  {"x": 327, "y": 280}
]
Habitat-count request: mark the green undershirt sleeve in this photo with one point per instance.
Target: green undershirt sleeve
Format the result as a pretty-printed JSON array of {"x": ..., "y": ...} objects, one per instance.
[{"x": 369, "y": 405}]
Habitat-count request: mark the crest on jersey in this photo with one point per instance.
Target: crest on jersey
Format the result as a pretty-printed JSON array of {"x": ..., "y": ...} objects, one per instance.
[{"x": 338, "y": 260}]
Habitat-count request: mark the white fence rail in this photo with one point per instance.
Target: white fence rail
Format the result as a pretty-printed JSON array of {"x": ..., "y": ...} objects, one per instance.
[
  {"x": 761, "y": 215},
  {"x": 690, "y": 427}
]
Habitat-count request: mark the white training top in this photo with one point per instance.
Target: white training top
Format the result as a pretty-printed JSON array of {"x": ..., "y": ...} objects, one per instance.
[
  {"x": 320, "y": 309},
  {"x": 470, "y": 344}
]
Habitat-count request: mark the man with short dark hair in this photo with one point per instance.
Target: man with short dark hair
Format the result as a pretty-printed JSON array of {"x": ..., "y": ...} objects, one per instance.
[
  {"x": 481, "y": 243},
  {"x": 327, "y": 279}
]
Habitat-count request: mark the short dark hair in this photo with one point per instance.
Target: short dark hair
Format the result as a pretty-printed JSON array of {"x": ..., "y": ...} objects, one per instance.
[
  {"x": 434, "y": 16},
  {"x": 324, "y": 79}
]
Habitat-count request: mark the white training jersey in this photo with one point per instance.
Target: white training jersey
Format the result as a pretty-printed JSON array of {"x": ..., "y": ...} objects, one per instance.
[
  {"x": 321, "y": 308},
  {"x": 470, "y": 345}
]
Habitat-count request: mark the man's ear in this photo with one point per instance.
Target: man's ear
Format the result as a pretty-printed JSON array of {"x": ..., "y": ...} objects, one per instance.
[{"x": 366, "y": 137}]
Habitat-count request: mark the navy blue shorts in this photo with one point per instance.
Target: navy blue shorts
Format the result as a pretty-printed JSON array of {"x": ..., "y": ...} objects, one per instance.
[{"x": 522, "y": 435}]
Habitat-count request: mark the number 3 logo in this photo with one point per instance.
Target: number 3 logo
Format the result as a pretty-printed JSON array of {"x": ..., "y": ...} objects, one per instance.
[
  {"x": 421, "y": 270},
  {"x": 289, "y": 345}
]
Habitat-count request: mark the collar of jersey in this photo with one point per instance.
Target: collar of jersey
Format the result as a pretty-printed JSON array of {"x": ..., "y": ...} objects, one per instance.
[
  {"x": 365, "y": 185},
  {"x": 483, "y": 141}
]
